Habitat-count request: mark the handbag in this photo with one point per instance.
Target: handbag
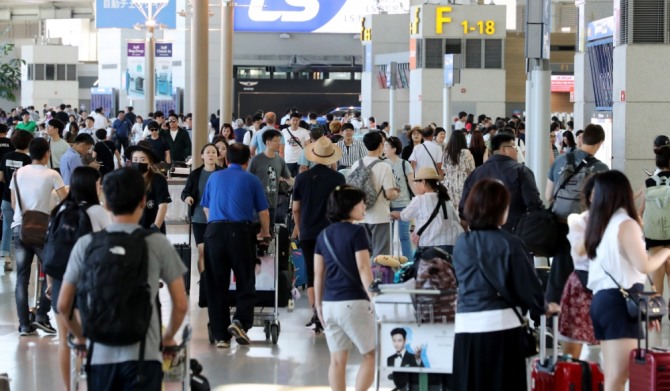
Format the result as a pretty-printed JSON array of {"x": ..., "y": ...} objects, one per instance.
[
  {"x": 655, "y": 306},
  {"x": 34, "y": 223}
]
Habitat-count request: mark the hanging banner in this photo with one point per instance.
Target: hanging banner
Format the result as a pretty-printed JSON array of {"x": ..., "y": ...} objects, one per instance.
[
  {"x": 163, "y": 70},
  {"x": 124, "y": 14},
  {"x": 133, "y": 78}
]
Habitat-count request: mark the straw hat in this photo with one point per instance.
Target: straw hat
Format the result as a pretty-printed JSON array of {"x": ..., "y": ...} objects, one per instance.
[
  {"x": 323, "y": 151},
  {"x": 426, "y": 173}
]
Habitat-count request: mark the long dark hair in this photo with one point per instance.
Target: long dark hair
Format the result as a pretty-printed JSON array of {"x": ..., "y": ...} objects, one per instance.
[
  {"x": 569, "y": 140},
  {"x": 455, "y": 145},
  {"x": 83, "y": 188},
  {"x": 611, "y": 191}
]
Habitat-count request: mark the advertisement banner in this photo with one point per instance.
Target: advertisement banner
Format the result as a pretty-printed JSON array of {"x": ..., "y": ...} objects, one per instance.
[
  {"x": 416, "y": 348},
  {"x": 123, "y": 14},
  {"x": 133, "y": 78},
  {"x": 310, "y": 16},
  {"x": 163, "y": 70}
]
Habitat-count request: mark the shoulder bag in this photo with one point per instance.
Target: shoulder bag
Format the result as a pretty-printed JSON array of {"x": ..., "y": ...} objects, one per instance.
[
  {"x": 655, "y": 307},
  {"x": 404, "y": 172},
  {"x": 34, "y": 223}
]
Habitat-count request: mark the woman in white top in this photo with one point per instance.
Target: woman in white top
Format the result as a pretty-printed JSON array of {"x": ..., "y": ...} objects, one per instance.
[
  {"x": 136, "y": 131},
  {"x": 404, "y": 175},
  {"x": 85, "y": 188},
  {"x": 615, "y": 242}
]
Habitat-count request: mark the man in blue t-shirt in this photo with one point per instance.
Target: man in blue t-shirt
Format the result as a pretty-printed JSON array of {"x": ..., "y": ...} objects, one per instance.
[
  {"x": 230, "y": 199},
  {"x": 121, "y": 128}
]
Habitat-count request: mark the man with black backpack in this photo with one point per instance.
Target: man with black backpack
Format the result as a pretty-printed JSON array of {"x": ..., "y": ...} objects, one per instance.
[
  {"x": 115, "y": 273},
  {"x": 564, "y": 187}
]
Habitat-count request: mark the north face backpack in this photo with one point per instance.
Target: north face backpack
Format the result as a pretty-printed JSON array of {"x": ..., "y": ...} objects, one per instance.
[
  {"x": 70, "y": 223},
  {"x": 567, "y": 196},
  {"x": 361, "y": 178},
  {"x": 656, "y": 216},
  {"x": 113, "y": 294}
]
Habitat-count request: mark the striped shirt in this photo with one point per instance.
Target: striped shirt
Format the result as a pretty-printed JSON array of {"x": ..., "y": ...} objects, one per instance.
[
  {"x": 441, "y": 231},
  {"x": 352, "y": 153}
]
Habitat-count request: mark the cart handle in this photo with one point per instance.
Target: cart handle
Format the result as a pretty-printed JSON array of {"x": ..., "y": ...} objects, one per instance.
[{"x": 376, "y": 288}]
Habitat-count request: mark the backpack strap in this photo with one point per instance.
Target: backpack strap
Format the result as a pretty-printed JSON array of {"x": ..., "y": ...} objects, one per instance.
[
  {"x": 431, "y": 157},
  {"x": 369, "y": 166},
  {"x": 404, "y": 172},
  {"x": 294, "y": 138},
  {"x": 570, "y": 156},
  {"x": 440, "y": 204}
]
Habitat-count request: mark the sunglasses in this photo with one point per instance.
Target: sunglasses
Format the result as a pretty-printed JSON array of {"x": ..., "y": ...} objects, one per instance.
[
  {"x": 172, "y": 120},
  {"x": 153, "y": 130}
]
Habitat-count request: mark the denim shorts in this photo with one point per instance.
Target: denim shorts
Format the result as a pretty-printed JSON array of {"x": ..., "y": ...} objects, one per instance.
[{"x": 610, "y": 316}]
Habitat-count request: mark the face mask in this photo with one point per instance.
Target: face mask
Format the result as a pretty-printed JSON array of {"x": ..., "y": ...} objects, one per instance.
[{"x": 141, "y": 167}]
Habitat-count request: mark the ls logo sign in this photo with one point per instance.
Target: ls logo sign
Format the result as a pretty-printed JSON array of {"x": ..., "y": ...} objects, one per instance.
[{"x": 291, "y": 16}]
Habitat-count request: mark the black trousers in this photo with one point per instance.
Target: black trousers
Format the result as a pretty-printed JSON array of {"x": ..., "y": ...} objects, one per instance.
[
  {"x": 230, "y": 246},
  {"x": 561, "y": 267}
]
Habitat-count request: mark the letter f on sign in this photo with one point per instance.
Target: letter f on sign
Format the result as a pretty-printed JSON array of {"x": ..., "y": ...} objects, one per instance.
[{"x": 440, "y": 19}]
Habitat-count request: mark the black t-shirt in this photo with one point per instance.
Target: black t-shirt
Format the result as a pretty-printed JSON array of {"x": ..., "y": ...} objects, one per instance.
[
  {"x": 160, "y": 146},
  {"x": 312, "y": 189},
  {"x": 9, "y": 163},
  {"x": 104, "y": 152},
  {"x": 157, "y": 194},
  {"x": 5, "y": 146}
]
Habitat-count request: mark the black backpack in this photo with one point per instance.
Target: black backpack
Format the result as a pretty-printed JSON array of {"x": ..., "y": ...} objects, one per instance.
[
  {"x": 70, "y": 223},
  {"x": 113, "y": 294}
]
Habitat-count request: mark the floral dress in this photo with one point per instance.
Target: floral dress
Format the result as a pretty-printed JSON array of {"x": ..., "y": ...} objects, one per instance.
[{"x": 455, "y": 176}]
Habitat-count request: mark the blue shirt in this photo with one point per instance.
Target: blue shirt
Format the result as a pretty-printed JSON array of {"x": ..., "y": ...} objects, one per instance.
[
  {"x": 70, "y": 160},
  {"x": 257, "y": 140},
  {"x": 122, "y": 127},
  {"x": 233, "y": 195}
]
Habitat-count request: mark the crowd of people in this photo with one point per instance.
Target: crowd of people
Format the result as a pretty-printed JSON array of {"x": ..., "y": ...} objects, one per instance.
[{"x": 352, "y": 181}]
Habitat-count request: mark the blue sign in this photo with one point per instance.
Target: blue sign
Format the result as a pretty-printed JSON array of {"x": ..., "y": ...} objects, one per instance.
[
  {"x": 602, "y": 28},
  {"x": 300, "y": 16},
  {"x": 123, "y": 14}
]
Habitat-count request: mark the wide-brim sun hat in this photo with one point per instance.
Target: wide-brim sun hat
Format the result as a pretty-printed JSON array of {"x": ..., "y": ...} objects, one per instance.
[
  {"x": 323, "y": 151},
  {"x": 426, "y": 173},
  {"x": 144, "y": 146}
]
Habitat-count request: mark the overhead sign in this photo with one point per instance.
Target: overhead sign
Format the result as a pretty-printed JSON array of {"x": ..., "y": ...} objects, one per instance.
[
  {"x": 457, "y": 21},
  {"x": 123, "y": 14},
  {"x": 602, "y": 28},
  {"x": 562, "y": 83},
  {"x": 310, "y": 16}
]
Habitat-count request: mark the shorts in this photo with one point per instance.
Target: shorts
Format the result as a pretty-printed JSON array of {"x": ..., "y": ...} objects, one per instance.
[
  {"x": 55, "y": 291},
  {"x": 199, "y": 232},
  {"x": 349, "y": 322},
  {"x": 610, "y": 316}
]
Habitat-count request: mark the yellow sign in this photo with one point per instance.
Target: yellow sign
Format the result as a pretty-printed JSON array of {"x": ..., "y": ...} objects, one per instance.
[
  {"x": 366, "y": 32},
  {"x": 414, "y": 25},
  {"x": 480, "y": 26},
  {"x": 440, "y": 19}
]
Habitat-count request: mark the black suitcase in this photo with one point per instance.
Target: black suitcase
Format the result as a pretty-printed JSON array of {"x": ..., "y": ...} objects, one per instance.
[{"x": 184, "y": 251}]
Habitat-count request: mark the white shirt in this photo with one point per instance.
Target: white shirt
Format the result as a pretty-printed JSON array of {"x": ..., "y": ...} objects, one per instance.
[
  {"x": 610, "y": 257},
  {"x": 382, "y": 176},
  {"x": 459, "y": 125},
  {"x": 99, "y": 121},
  {"x": 292, "y": 150},
  {"x": 422, "y": 155},
  {"x": 358, "y": 124},
  {"x": 35, "y": 185},
  {"x": 521, "y": 150},
  {"x": 248, "y": 136},
  {"x": 576, "y": 234},
  {"x": 173, "y": 134},
  {"x": 440, "y": 232}
]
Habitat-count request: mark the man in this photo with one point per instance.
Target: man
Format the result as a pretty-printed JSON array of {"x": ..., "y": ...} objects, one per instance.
[
  {"x": 73, "y": 157},
  {"x": 314, "y": 134},
  {"x": 270, "y": 168},
  {"x": 89, "y": 129},
  {"x": 561, "y": 265},
  {"x": 106, "y": 153},
  {"x": 462, "y": 118},
  {"x": 216, "y": 122},
  {"x": 578, "y": 138},
  {"x": 402, "y": 358},
  {"x": 376, "y": 221},
  {"x": 295, "y": 138},
  {"x": 130, "y": 115},
  {"x": 10, "y": 162},
  {"x": 121, "y": 127},
  {"x": 26, "y": 123},
  {"x": 518, "y": 179},
  {"x": 117, "y": 367},
  {"x": 287, "y": 117},
  {"x": 230, "y": 244},
  {"x": 159, "y": 117},
  {"x": 158, "y": 143},
  {"x": 57, "y": 145},
  {"x": 255, "y": 127},
  {"x": 34, "y": 115},
  {"x": 5, "y": 143},
  {"x": 188, "y": 125},
  {"x": 31, "y": 188},
  {"x": 99, "y": 119},
  {"x": 177, "y": 139},
  {"x": 310, "y": 201},
  {"x": 257, "y": 145},
  {"x": 62, "y": 115},
  {"x": 428, "y": 154},
  {"x": 240, "y": 130},
  {"x": 352, "y": 150},
  {"x": 357, "y": 121}
]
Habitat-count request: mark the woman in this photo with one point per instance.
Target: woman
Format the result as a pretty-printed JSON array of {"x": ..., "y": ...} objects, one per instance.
[
  {"x": 195, "y": 185},
  {"x": 341, "y": 277},
  {"x": 213, "y": 125},
  {"x": 72, "y": 133},
  {"x": 457, "y": 165},
  {"x": 478, "y": 148},
  {"x": 574, "y": 322},
  {"x": 222, "y": 147},
  {"x": 84, "y": 189},
  {"x": 227, "y": 133},
  {"x": 495, "y": 273},
  {"x": 137, "y": 129},
  {"x": 404, "y": 174},
  {"x": 568, "y": 144},
  {"x": 614, "y": 243},
  {"x": 143, "y": 158},
  {"x": 440, "y": 136},
  {"x": 416, "y": 138},
  {"x": 444, "y": 227}
]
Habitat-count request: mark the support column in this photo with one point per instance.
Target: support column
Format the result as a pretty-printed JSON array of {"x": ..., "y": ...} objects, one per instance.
[
  {"x": 538, "y": 119},
  {"x": 199, "y": 71},
  {"x": 150, "y": 68},
  {"x": 227, "y": 61}
]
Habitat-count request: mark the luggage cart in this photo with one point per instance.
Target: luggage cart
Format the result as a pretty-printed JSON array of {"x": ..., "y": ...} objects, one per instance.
[{"x": 428, "y": 341}]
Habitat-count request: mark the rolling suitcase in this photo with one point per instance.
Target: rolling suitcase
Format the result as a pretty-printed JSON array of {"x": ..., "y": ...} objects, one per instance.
[
  {"x": 385, "y": 266},
  {"x": 563, "y": 373},
  {"x": 299, "y": 265},
  {"x": 649, "y": 369},
  {"x": 184, "y": 251}
]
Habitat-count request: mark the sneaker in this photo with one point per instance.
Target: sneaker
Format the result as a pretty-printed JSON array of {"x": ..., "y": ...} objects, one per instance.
[
  {"x": 311, "y": 323},
  {"x": 45, "y": 326},
  {"x": 222, "y": 344},
  {"x": 25, "y": 331},
  {"x": 238, "y": 332}
]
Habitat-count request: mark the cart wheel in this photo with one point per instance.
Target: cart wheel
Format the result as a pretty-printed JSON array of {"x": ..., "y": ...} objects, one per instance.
[
  {"x": 266, "y": 329},
  {"x": 274, "y": 331},
  {"x": 209, "y": 334}
]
